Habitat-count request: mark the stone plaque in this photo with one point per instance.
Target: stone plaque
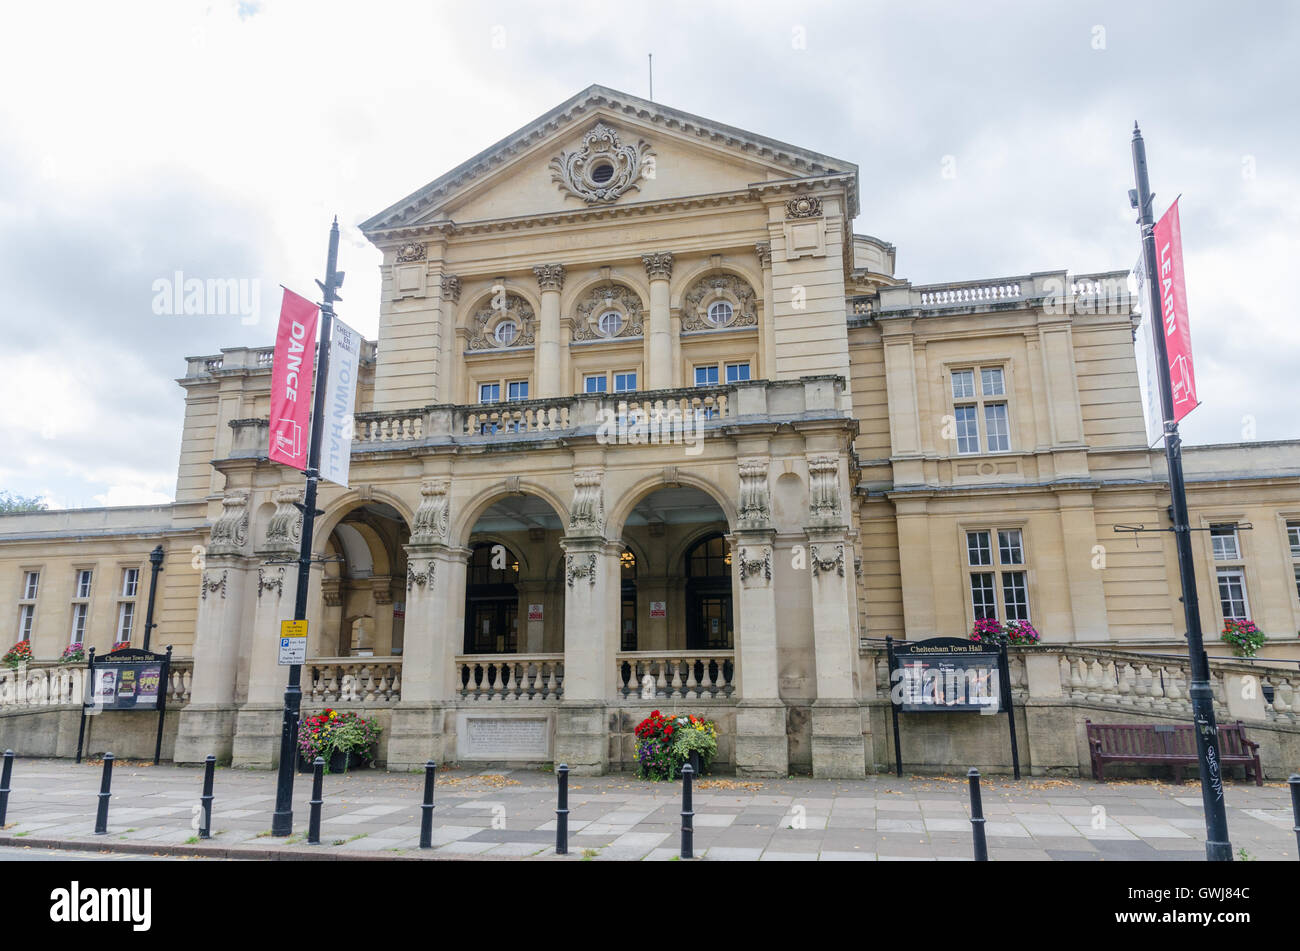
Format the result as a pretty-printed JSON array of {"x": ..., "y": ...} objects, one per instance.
[{"x": 505, "y": 737}]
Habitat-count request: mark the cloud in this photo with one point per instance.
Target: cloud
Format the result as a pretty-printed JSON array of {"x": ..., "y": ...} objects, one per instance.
[{"x": 218, "y": 139}]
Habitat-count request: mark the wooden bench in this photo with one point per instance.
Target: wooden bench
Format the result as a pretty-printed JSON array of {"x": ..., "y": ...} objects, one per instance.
[{"x": 1167, "y": 744}]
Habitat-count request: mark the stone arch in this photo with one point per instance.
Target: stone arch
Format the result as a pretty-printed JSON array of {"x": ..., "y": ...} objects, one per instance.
[
  {"x": 577, "y": 290},
  {"x": 587, "y": 307},
  {"x": 471, "y": 509},
  {"x": 615, "y": 522},
  {"x": 677, "y": 560},
  {"x": 472, "y": 303},
  {"x": 338, "y": 509},
  {"x": 492, "y": 538},
  {"x": 687, "y": 280}
]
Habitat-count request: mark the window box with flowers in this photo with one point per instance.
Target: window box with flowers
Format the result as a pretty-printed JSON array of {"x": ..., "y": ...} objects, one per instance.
[
  {"x": 19, "y": 654},
  {"x": 74, "y": 653},
  {"x": 1243, "y": 637},
  {"x": 664, "y": 744},
  {"x": 344, "y": 740},
  {"x": 994, "y": 633}
]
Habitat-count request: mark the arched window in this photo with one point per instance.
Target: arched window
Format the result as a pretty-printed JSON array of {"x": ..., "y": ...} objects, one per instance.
[{"x": 710, "y": 558}]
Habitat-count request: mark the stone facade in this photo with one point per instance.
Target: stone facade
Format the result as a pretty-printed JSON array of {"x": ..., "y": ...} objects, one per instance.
[{"x": 647, "y": 424}]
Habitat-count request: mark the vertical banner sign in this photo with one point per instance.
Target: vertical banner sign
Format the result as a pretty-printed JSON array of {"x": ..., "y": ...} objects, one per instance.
[
  {"x": 1173, "y": 311},
  {"x": 1148, "y": 377},
  {"x": 340, "y": 400},
  {"x": 291, "y": 380}
]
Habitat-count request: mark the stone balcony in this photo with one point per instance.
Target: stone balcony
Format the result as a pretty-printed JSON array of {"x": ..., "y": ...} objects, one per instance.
[
  {"x": 643, "y": 417},
  {"x": 1104, "y": 292}
]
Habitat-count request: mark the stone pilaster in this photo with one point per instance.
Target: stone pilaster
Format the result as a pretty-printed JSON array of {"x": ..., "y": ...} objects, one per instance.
[
  {"x": 550, "y": 281},
  {"x": 659, "y": 269},
  {"x": 435, "y": 625},
  {"x": 207, "y": 724},
  {"x": 762, "y": 748},
  {"x": 260, "y": 719}
]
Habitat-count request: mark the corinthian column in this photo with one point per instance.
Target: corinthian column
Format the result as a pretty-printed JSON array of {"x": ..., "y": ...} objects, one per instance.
[
  {"x": 659, "y": 373},
  {"x": 550, "y": 279}
]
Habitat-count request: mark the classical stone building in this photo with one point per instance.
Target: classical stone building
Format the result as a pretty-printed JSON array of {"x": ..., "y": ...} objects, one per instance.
[{"x": 648, "y": 424}]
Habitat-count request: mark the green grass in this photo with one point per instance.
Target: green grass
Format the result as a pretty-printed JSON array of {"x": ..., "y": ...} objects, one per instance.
[
  {"x": 192, "y": 840},
  {"x": 19, "y": 835},
  {"x": 589, "y": 854}
]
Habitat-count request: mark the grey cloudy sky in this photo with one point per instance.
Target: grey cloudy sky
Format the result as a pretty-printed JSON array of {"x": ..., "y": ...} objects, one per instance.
[{"x": 217, "y": 139}]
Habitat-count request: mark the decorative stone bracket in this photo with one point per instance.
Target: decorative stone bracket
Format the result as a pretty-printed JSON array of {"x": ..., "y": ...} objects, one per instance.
[
  {"x": 230, "y": 530},
  {"x": 754, "y": 509},
  {"x": 587, "y": 517},
  {"x": 433, "y": 516}
]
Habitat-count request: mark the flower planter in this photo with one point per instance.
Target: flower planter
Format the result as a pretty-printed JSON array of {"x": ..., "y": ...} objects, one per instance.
[{"x": 337, "y": 762}]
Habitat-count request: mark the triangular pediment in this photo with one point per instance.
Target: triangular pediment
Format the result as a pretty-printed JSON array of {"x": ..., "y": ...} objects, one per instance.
[{"x": 605, "y": 148}]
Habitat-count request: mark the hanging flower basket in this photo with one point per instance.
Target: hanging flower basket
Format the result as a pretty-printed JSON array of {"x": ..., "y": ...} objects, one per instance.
[
  {"x": 345, "y": 740},
  {"x": 74, "y": 653}
]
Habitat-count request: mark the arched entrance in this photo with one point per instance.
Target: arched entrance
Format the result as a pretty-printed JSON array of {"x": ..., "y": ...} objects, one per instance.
[
  {"x": 514, "y": 599},
  {"x": 363, "y": 586}
]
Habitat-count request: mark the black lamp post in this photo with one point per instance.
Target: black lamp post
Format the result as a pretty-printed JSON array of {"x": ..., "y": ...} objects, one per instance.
[{"x": 155, "y": 561}]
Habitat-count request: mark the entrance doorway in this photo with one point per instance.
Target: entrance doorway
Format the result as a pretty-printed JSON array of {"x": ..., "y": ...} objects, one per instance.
[
  {"x": 708, "y": 595},
  {"x": 492, "y": 601}
]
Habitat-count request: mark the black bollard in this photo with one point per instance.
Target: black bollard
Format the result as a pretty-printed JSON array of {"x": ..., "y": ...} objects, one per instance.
[
  {"x": 101, "y": 816},
  {"x": 6, "y": 774},
  {"x": 977, "y": 817},
  {"x": 562, "y": 811},
  {"x": 205, "y": 801},
  {"x": 1294, "y": 783},
  {"x": 426, "y": 817},
  {"x": 317, "y": 782},
  {"x": 688, "y": 815}
]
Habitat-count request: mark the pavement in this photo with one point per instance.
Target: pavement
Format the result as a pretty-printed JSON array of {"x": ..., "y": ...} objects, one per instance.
[{"x": 510, "y": 814}]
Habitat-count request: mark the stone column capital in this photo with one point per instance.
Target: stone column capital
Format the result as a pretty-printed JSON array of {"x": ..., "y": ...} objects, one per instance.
[
  {"x": 764, "y": 251},
  {"x": 550, "y": 277},
  {"x": 658, "y": 266}
]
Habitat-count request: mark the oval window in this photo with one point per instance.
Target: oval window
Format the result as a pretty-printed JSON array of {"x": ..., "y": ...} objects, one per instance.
[
  {"x": 719, "y": 313},
  {"x": 611, "y": 322},
  {"x": 602, "y": 173},
  {"x": 506, "y": 332}
]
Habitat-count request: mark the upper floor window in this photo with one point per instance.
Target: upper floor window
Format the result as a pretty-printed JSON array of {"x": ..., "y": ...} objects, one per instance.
[
  {"x": 83, "y": 583},
  {"x": 979, "y": 397},
  {"x": 737, "y": 372},
  {"x": 594, "y": 383},
  {"x": 1223, "y": 539},
  {"x": 506, "y": 332},
  {"x": 130, "y": 582},
  {"x": 517, "y": 390},
  {"x": 489, "y": 392},
  {"x": 79, "y": 612},
  {"x": 31, "y": 583},
  {"x": 1232, "y": 594},
  {"x": 720, "y": 313},
  {"x": 706, "y": 376},
  {"x": 625, "y": 382},
  {"x": 1006, "y": 575},
  {"x": 611, "y": 322}
]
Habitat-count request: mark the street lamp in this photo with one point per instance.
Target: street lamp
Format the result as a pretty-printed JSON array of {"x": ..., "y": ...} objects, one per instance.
[{"x": 155, "y": 561}]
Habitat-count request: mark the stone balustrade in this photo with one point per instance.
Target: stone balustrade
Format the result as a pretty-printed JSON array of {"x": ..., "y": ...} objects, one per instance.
[
  {"x": 51, "y": 684},
  {"x": 944, "y": 295},
  {"x": 503, "y": 677},
  {"x": 359, "y": 680},
  {"x": 650, "y": 416},
  {"x": 676, "y": 675}
]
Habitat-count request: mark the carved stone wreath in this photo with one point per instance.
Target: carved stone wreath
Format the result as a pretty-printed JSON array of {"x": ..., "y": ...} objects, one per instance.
[
  {"x": 575, "y": 171},
  {"x": 575, "y": 569},
  {"x": 601, "y": 299},
  {"x": 711, "y": 288},
  {"x": 518, "y": 309},
  {"x": 752, "y": 566},
  {"x": 267, "y": 582},
  {"x": 803, "y": 207},
  {"x": 420, "y": 578},
  {"x": 827, "y": 565},
  {"x": 214, "y": 586},
  {"x": 411, "y": 253}
]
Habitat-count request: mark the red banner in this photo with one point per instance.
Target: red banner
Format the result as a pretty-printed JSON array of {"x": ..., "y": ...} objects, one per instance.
[
  {"x": 291, "y": 380},
  {"x": 1173, "y": 311}
]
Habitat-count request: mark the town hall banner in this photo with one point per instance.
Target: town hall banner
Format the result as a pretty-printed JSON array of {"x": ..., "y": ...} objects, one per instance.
[{"x": 291, "y": 380}]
